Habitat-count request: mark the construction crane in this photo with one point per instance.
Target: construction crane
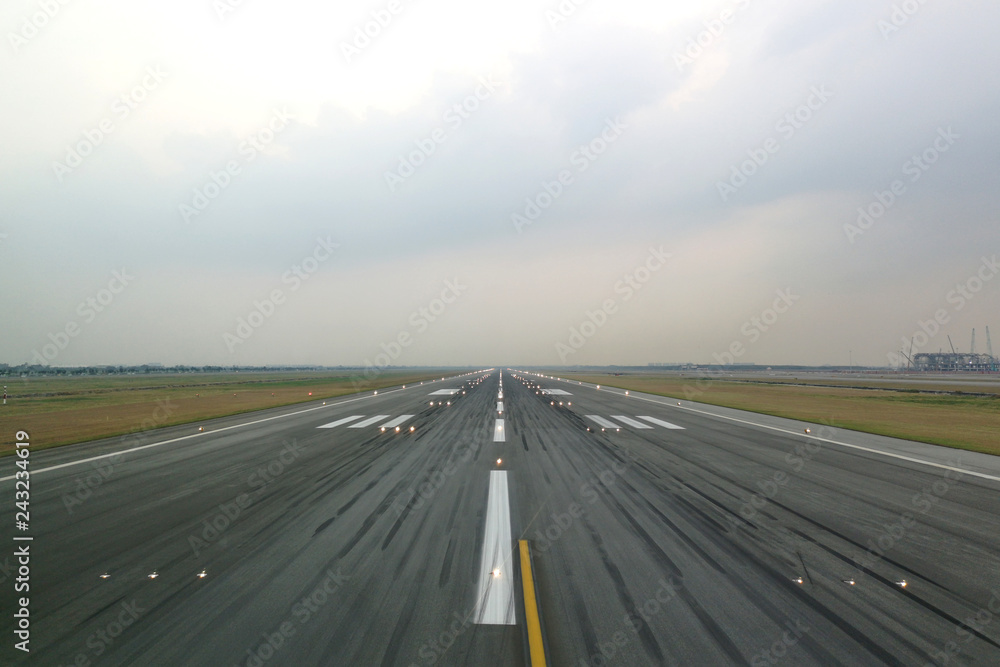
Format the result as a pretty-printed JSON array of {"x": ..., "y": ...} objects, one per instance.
[{"x": 952, "y": 345}]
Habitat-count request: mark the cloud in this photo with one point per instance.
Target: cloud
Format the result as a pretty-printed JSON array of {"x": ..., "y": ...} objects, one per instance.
[{"x": 466, "y": 155}]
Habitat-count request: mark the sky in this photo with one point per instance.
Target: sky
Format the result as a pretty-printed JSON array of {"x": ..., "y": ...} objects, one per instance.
[{"x": 434, "y": 182}]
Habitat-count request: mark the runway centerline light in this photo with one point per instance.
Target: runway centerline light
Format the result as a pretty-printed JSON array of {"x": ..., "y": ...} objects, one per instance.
[
  {"x": 202, "y": 574},
  {"x": 496, "y": 573}
]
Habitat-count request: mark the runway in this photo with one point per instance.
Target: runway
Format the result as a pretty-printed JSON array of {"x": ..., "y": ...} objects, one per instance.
[{"x": 380, "y": 529}]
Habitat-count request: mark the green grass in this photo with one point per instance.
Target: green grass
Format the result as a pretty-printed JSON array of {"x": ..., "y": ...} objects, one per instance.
[
  {"x": 969, "y": 422},
  {"x": 64, "y": 410}
]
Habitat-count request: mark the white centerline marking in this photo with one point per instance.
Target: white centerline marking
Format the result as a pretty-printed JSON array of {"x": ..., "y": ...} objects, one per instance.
[
  {"x": 601, "y": 421},
  {"x": 660, "y": 422},
  {"x": 397, "y": 421},
  {"x": 498, "y": 434},
  {"x": 368, "y": 422},
  {"x": 341, "y": 421},
  {"x": 443, "y": 392},
  {"x": 495, "y": 597},
  {"x": 500, "y": 406},
  {"x": 631, "y": 422}
]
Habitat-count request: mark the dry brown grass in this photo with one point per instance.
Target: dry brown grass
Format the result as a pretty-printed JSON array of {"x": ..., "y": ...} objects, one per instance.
[
  {"x": 60, "y": 411},
  {"x": 964, "y": 422}
]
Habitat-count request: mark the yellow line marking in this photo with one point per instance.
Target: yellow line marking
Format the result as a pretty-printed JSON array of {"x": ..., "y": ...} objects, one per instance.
[{"x": 536, "y": 646}]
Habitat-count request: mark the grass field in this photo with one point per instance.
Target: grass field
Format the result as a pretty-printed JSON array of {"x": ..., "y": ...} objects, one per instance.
[
  {"x": 63, "y": 410},
  {"x": 863, "y": 382},
  {"x": 954, "y": 420}
]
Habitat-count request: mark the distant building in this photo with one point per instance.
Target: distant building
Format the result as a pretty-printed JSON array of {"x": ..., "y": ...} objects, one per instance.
[{"x": 954, "y": 361}]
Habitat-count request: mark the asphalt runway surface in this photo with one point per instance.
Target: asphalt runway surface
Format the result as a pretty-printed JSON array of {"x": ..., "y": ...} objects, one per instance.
[{"x": 661, "y": 533}]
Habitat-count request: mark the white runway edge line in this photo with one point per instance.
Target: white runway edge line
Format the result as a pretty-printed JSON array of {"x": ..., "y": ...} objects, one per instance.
[
  {"x": 862, "y": 448},
  {"x": 631, "y": 422},
  {"x": 495, "y": 595},
  {"x": 345, "y": 420},
  {"x": 498, "y": 434},
  {"x": 660, "y": 422},
  {"x": 204, "y": 433}
]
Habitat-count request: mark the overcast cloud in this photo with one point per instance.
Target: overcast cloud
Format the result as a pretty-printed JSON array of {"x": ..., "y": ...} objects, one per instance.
[{"x": 250, "y": 142}]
